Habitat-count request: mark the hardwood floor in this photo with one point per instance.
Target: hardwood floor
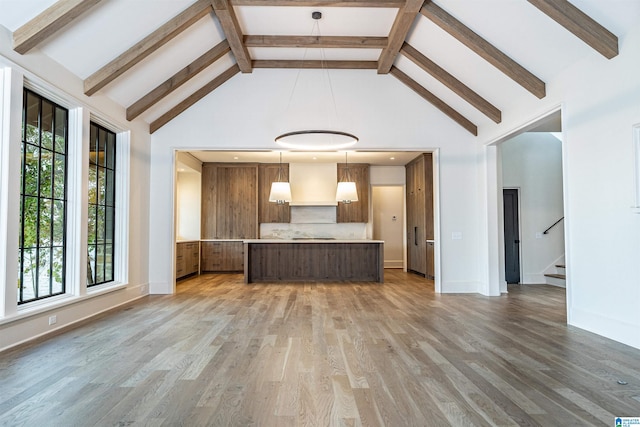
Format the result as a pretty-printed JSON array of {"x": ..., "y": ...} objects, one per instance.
[{"x": 220, "y": 352}]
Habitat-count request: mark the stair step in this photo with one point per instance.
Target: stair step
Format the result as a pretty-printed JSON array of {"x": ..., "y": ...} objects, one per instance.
[{"x": 557, "y": 276}]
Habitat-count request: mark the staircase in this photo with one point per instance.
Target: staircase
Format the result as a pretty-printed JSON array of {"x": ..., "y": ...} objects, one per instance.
[{"x": 558, "y": 278}]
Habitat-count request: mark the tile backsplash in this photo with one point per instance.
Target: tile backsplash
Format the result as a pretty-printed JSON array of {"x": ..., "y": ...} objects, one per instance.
[{"x": 313, "y": 222}]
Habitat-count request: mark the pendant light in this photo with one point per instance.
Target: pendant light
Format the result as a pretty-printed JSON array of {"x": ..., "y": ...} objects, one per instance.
[
  {"x": 280, "y": 191},
  {"x": 346, "y": 192},
  {"x": 317, "y": 138}
]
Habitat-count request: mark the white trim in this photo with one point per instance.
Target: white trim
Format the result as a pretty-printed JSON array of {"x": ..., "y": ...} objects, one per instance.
[
  {"x": 437, "y": 255},
  {"x": 461, "y": 287},
  {"x": 494, "y": 192},
  {"x": 55, "y": 303},
  {"x": 123, "y": 185},
  {"x": 76, "y": 201},
  {"x": 10, "y": 165},
  {"x": 567, "y": 215},
  {"x": 525, "y": 127},
  {"x": 636, "y": 156}
]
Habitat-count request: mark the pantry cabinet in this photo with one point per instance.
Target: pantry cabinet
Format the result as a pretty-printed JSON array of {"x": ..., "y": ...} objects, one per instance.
[{"x": 420, "y": 217}]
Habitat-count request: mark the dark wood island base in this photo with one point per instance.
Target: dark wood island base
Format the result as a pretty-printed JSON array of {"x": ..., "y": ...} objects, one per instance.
[{"x": 313, "y": 260}]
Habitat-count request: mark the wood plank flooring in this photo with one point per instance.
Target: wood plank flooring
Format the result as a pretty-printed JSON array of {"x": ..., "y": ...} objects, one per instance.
[{"x": 220, "y": 352}]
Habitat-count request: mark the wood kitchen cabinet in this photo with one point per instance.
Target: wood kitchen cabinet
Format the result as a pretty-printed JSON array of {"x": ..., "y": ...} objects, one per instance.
[
  {"x": 187, "y": 259},
  {"x": 355, "y": 211},
  {"x": 229, "y": 200},
  {"x": 222, "y": 256},
  {"x": 420, "y": 227},
  {"x": 270, "y": 211}
]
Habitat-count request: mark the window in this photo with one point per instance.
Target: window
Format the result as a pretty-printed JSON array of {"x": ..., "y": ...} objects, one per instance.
[
  {"x": 102, "y": 196},
  {"x": 43, "y": 199}
]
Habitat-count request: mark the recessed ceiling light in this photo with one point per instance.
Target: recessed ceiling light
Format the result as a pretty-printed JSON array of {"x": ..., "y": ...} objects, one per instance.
[
  {"x": 392, "y": 158},
  {"x": 235, "y": 157},
  {"x": 180, "y": 169}
]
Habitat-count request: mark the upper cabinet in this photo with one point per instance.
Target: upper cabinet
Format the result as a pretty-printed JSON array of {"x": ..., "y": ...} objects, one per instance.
[
  {"x": 229, "y": 201},
  {"x": 355, "y": 211},
  {"x": 270, "y": 211}
]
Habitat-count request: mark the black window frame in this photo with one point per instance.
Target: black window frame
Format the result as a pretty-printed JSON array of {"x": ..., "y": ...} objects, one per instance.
[
  {"x": 41, "y": 199},
  {"x": 99, "y": 138}
]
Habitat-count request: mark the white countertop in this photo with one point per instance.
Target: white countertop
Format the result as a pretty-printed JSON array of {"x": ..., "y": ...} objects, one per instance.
[{"x": 311, "y": 240}]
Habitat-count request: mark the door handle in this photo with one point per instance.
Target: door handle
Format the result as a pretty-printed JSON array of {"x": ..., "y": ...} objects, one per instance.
[{"x": 415, "y": 236}]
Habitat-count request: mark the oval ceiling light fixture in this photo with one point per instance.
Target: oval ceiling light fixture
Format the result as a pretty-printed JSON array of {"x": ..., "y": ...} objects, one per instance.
[{"x": 316, "y": 140}]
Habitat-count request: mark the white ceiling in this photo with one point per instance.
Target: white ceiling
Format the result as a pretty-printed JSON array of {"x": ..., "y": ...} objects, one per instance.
[{"x": 515, "y": 27}]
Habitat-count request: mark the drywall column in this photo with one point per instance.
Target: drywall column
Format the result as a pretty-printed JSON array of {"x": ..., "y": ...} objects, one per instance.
[
  {"x": 10, "y": 125},
  {"x": 493, "y": 282}
]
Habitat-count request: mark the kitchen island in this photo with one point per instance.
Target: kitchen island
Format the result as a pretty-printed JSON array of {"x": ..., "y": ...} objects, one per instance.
[{"x": 316, "y": 260}]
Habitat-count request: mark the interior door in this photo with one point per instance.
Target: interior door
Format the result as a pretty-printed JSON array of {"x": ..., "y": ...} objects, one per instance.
[
  {"x": 511, "y": 236},
  {"x": 388, "y": 224}
]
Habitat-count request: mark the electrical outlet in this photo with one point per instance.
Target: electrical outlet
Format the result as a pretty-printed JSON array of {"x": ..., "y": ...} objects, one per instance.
[{"x": 53, "y": 319}]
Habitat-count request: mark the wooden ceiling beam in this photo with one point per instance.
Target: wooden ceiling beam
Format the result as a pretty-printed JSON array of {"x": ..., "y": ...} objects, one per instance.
[
  {"x": 231, "y": 27},
  {"x": 401, "y": 25},
  {"x": 47, "y": 23},
  {"x": 177, "y": 80},
  {"x": 435, "y": 101},
  {"x": 581, "y": 25},
  {"x": 462, "y": 90},
  {"x": 146, "y": 46},
  {"x": 316, "y": 41},
  {"x": 344, "y": 65},
  {"x": 321, "y": 3},
  {"x": 484, "y": 49},
  {"x": 192, "y": 99}
]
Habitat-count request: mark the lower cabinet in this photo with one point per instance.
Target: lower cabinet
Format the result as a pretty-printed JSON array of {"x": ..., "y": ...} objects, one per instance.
[
  {"x": 222, "y": 256},
  {"x": 431, "y": 273},
  {"x": 187, "y": 259}
]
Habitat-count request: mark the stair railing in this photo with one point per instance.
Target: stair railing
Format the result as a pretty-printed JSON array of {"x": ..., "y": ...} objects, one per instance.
[{"x": 552, "y": 225}]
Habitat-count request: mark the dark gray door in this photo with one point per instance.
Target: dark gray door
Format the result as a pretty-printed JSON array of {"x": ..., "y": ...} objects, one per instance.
[{"x": 511, "y": 236}]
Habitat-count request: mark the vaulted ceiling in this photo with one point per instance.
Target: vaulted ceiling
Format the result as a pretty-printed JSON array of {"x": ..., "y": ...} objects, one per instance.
[{"x": 467, "y": 58}]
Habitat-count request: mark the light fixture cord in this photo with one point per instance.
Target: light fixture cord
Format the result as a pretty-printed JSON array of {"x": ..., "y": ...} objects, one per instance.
[
  {"x": 304, "y": 58},
  {"x": 325, "y": 69},
  {"x": 346, "y": 177},
  {"x": 280, "y": 169},
  {"x": 323, "y": 62}
]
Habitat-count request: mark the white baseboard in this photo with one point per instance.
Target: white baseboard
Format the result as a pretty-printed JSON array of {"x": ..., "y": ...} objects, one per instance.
[
  {"x": 160, "y": 288},
  {"x": 614, "y": 329},
  {"x": 460, "y": 287},
  {"x": 534, "y": 279}
]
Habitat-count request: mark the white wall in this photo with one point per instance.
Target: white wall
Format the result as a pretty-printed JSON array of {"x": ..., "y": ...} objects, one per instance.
[
  {"x": 532, "y": 163},
  {"x": 603, "y": 232},
  {"x": 599, "y": 100},
  {"x": 383, "y": 112},
  {"x": 188, "y": 202},
  {"x": 56, "y": 81}
]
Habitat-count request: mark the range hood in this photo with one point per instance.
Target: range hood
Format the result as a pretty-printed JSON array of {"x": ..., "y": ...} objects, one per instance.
[{"x": 313, "y": 184}]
